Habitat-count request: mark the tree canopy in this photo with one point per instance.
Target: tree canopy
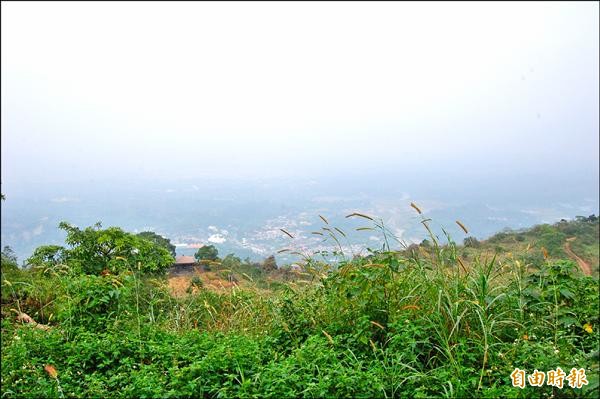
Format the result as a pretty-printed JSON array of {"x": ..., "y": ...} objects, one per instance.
[
  {"x": 269, "y": 264},
  {"x": 93, "y": 250},
  {"x": 8, "y": 259},
  {"x": 207, "y": 253},
  {"x": 159, "y": 240},
  {"x": 230, "y": 261},
  {"x": 471, "y": 242}
]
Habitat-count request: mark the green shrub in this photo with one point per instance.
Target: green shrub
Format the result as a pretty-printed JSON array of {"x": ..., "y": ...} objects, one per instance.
[{"x": 94, "y": 250}]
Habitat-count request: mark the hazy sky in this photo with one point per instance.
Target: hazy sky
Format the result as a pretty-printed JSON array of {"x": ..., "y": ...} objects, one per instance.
[{"x": 133, "y": 90}]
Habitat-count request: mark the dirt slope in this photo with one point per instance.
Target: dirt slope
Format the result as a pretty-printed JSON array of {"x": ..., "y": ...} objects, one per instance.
[{"x": 585, "y": 267}]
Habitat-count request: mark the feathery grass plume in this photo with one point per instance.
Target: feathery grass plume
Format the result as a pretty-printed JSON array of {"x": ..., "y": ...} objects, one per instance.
[
  {"x": 364, "y": 228},
  {"x": 462, "y": 226},
  {"x": 545, "y": 252},
  {"x": 116, "y": 282},
  {"x": 362, "y": 215},
  {"x": 373, "y": 345},
  {"x": 416, "y": 208},
  {"x": 340, "y": 231},
  {"x": 328, "y": 337},
  {"x": 317, "y": 232},
  {"x": 345, "y": 269},
  {"x": 378, "y": 325},
  {"x": 323, "y": 219},
  {"x": 288, "y": 234}
]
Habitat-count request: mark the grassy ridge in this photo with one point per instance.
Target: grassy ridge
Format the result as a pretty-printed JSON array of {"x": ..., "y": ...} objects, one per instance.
[
  {"x": 447, "y": 321},
  {"x": 529, "y": 244}
]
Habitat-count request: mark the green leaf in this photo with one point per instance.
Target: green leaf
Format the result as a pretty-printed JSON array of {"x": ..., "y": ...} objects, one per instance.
[{"x": 567, "y": 294}]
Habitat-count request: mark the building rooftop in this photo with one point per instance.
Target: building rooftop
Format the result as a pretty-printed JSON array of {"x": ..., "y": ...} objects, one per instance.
[{"x": 183, "y": 260}]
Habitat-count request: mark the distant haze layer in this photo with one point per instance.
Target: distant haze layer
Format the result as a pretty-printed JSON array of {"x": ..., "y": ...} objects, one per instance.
[
  {"x": 190, "y": 90},
  {"x": 244, "y": 216},
  {"x": 222, "y": 123}
]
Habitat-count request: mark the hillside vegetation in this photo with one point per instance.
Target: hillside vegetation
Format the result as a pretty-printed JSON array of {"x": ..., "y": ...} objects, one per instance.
[
  {"x": 436, "y": 319},
  {"x": 534, "y": 245}
]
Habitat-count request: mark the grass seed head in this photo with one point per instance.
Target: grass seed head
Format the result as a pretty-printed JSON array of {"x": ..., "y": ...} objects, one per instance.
[
  {"x": 462, "y": 226},
  {"x": 416, "y": 208},
  {"x": 288, "y": 234},
  {"x": 328, "y": 337}
]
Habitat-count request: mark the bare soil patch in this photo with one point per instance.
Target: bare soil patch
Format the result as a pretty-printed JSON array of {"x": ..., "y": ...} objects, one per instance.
[
  {"x": 179, "y": 283},
  {"x": 583, "y": 265}
]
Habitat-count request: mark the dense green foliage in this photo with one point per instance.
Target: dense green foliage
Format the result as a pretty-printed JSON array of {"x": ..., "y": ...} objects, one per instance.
[
  {"x": 207, "y": 253},
  {"x": 384, "y": 325},
  {"x": 9, "y": 259},
  {"x": 159, "y": 240},
  {"x": 94, "y": 249}
]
